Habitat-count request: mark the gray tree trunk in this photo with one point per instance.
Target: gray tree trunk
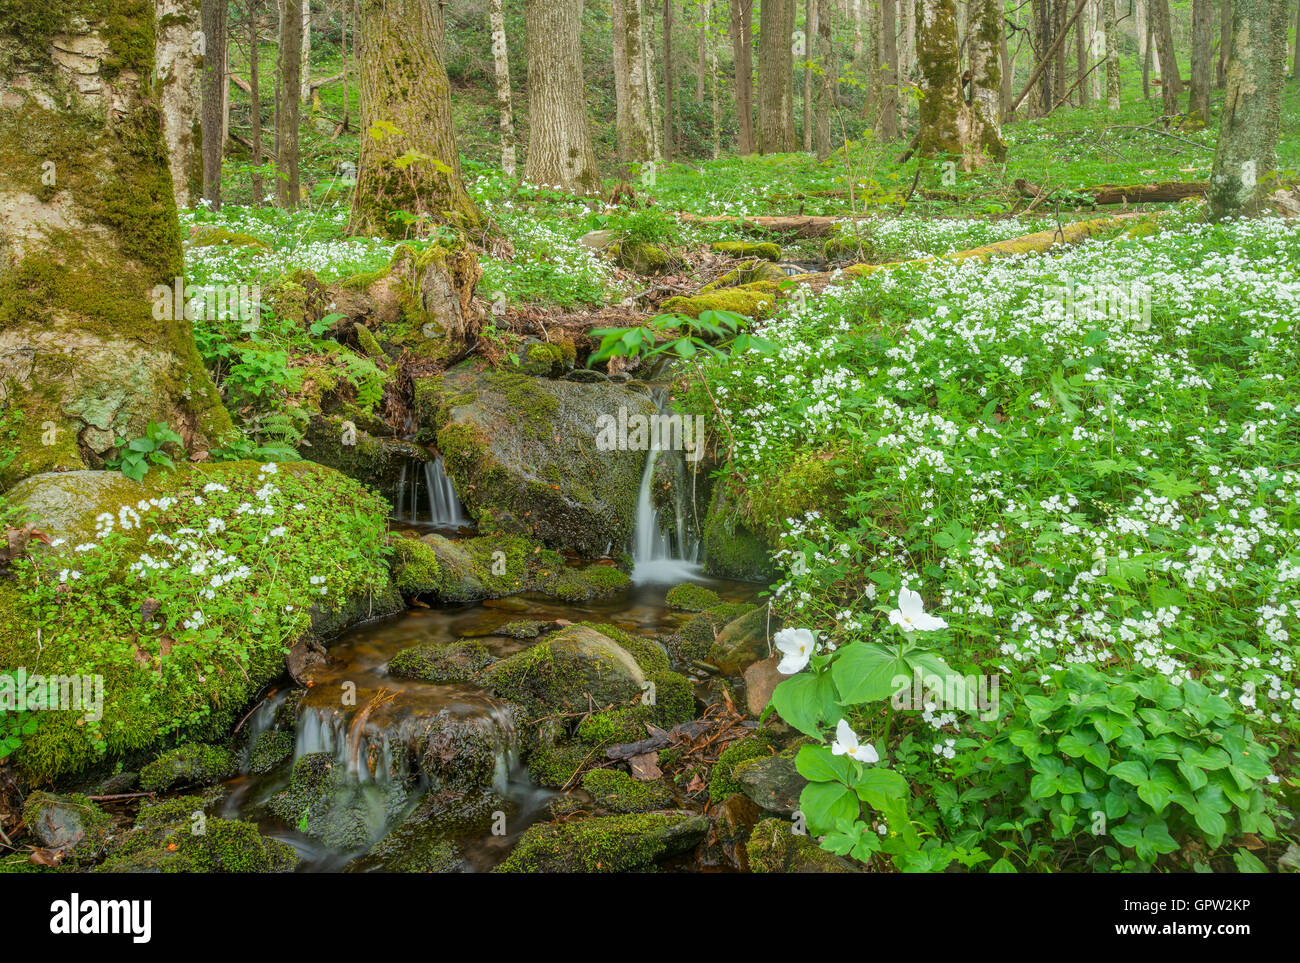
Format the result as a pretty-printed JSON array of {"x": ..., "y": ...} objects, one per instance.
[
  {"x": 501, "y": 64},
  {"x": 775, "y": 73},
  {"x": 559, "y": 139},
  {"x": 176, "y": 60},
  {"x": 288, "y": 84}
]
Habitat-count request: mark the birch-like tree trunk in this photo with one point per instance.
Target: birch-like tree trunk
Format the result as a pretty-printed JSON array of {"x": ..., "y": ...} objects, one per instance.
[
  {"x": 501, "y": 63},
  {"x": 305, "y": 58},
  {"x": 91, "y": 348},
  {"x": 639, "y": 135},
  {"x": 409, "y": 166},
  {"x": 559, "y": 139},
  {"x": 1247, "y": 150},
  {"x": 177, "y": 59},
  {"x": 1112, "y": 54},
  {"x": 214, "y": 88},
  {"x": 288, "y": 87},
  {"x": 775, "y": 74}
]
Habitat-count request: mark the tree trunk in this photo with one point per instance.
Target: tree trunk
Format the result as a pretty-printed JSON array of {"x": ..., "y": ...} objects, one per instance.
[
  {"x": 559, "y": 140},
  {"x": 501, "y": 62},
  {"x": 639, "y": 134},
  {"x": 90, "y": 352},
  {"x": 1198, "y": 107},
  {"x": 255, "y": 97},
  {"x": 871, "y": 104},
  {"x": 1225, "y": 42},
  {"x": 1112, "y": 54},
  {"x": 742, "y": 45},
  {"x": 775, "y": 70},
  {"x": 670, "y": 104},
  {"x": 940, "y": 79},
  {"x": 305, "y": 59},
  {"x": 214, "y": 98},
  {"x": 409, "y": 165},
  {"x": 651, "y": 87},
  {"x": 288, "y": 81},
  {"x": 889, "y": 69},
  {"x": 702, "y": 48},
  {"x": 986, "y": 37},
  {"x": 1043, "y": 33},
  {"x": 1171, "y": 86},
  {"x": 1248, "y": 126},
  {"x": 1081, "y": 59},
  {"x": 826, "y": 82},
  {"x": 177, "y": 76},
  {"x": 804, "y": 43},
  {"x": 713, "y": 90}
]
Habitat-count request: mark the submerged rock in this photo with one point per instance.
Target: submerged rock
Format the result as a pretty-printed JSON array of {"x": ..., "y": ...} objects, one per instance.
[
  {"x": 426, "y": 839},
  {"x": 442, "y": 663},
  {"x": 563, "y": 671},
  {"x": 524, "y": 455},
  {"x": 743, "y": 642},
  {"x": 689, "y": 597},
  {"x": 324, "y": 801}
]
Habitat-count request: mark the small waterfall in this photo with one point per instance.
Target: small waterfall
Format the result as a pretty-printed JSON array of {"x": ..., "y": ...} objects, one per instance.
[
  {"x": 660, "y": 556},
  {"x": 426, "y": 496}
]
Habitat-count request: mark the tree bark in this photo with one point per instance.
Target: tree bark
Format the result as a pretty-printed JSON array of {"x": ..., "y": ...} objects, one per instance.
[
  {"x": 986, "y": 37},
  {"x": 214, "y": 97},
  {"x": 775, "y": 74},
  {"x": 826, "y": 83},
  {"x": 1112, "y": 55},
  {"x": 1198, "y": 106},
  {"x": 1248, "y": 125},
  {"x": 501, "y": 64},
  {"x": 670, "y": 106},
  {"x": 90, "y": 352},
  {"x": 742, "y": 45},
  {"x": 288, "y": 81},
  {"x": 255, "y": 97},
  {"x": 804, "y": 56},
  {"x": 177, "y": 82},
  {"x": 1225, "y": 42},
  {"x": 638, "y": 133},
  {"x": 1171, "y": 86},
  {"x": 889, "y": 69},
  {"x": 559, "y": 139},
  {"x": 409, "y": 167},
  {"x": 305, "y": 58}
]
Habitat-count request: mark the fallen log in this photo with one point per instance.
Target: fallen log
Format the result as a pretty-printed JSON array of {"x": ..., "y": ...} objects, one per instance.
[
  {"x": 1162, "y": 192},
  {"x": 801, "y": 225}
]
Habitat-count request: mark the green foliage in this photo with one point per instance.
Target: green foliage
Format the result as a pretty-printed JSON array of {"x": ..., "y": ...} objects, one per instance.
[
  {"x": 683, "y": 336},
  {"x": 135, "y": 457}
]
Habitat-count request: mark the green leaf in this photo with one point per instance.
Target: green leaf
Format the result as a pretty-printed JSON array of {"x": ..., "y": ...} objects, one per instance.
[
  {"x": 866, "y": 672},
  {"x": 804, "y": 701},
  {"x": 828, "y": 806}
]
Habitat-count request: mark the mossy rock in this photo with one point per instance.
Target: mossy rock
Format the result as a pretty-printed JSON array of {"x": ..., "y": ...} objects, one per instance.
[
  {"x": 71, "y": 824},
  {"x": 754, "y": 272},
  {"x": 849, "y": 247},
  {"x": 377, "y": 462},
  {"x": 462, "y": 570},
  {"x": 441, "y": 663},
  {"x": 524, "y": 456},
  {"x": 743, "y": 642},
  {"x": 562, "y": 671},
  {"x": 605, "y": 844},
  {"x": 694, "y": 639},
  {"x": 611, "y": 727},
  {"x": 163, "y": 680},
  {"x": 464, "y": 753},
  {"x": 774, "y": 847},
  {"x": 616, "y": 791},
  {"x": 554, "y": 760},
  {"x": 689, "y": 597},
  {"x": 773, "y": 783},
  {"x": 639, "y": 257},
  {"x": 649, "y": 655},
  {"x": 757, "y": 301},
  {"x": 177, "y": 837},
  {"x": 188, "y": 765},
  {"x": 571, "y": 584},
  {"x": 544, "y": 359},
  {"x": 721, "y": 780},
  {"x": 323, "y": 801},
  {"x": 731, "y": 549},
  {"x": 425, "y": 840},
  {"x": 211, "y": 235},
  {"x": 522, "y": 629},
  {"x": 761, "y": 249},
  {"x": 674, "y": 698},
  {"x": 270, "y": 749}
]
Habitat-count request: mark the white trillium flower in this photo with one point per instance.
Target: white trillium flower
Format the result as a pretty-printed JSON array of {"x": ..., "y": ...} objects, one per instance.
[
  {"x": 797, "y": 646},
  {"x": 846, "y": 744},
  {"x": 910, "y": 614}
]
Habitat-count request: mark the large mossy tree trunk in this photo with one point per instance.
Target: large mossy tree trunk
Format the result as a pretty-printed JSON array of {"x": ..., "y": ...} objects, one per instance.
[
  {"x": 826, "y": 82},
  {"x": 638, "y": 135},
  {"x": 408, "y": 178},
  {"x": 950, "y": 124},
  {"x": 88, "y": 229},
  {"x": 1248, "y": 125},
  {"x": 176, "y": 63},
  {"x": 559, "y": 138},
  {"x": 776, "y": 132},
  {"x": 984, "y": 129}
]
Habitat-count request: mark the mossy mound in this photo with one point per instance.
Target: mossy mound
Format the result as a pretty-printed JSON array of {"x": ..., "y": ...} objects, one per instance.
[
  {"x": 761, "y": 249},
  {"x": 584, "y": 584},
  {"x": 270, "y": 749},
  {"x": 71, "y": 824},
  {"x": 774, "y": 847},
  {"x": 605, "y": 844},
  {"x": 618, "y": 792},
  {"x": 524, "y": 453},
  {"x": 462, "y": 570},
  {"x": 689, "y": 597},
  {"x": 441, "y": 663},
  {"x": 756, "y": 272},
  {"x": 721, "y": 781},
  {"x": 563, "y": 671},
  {"x": 424, "y": 841},
  {"x": 323, "y": 801},
  {"x": 544, "y": 359},
  {"x": 344, "y": 444},
  {"x": 522, "y": 629},
  {"x": 731, "y": 549},
  {"x": 177, "y": 837},
  {"x": 614, "y": 726},
  {"x": 192, "y": 764},
  {"x": 210, "y": 235},
  {"x": 694, "y": 639},
  {"x": 648, "y": 654},
  {"x": 263, "y": 553},
  {"x": 757, "y": 301},
  {"x": 464, "y": 752},
  {"x": 639, "y": 257}
]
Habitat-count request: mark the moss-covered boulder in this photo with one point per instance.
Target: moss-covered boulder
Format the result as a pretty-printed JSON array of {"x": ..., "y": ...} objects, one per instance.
[
  {"x": 639, "y": 257},
  {"x": 564, "y": 670},
  {"x": 582, "y": 584},
  {"x": 774, "y": 847},
  {"x": 760, "y": 249},
  {"x": 689, "y": 597},
  {"x": 756, "y": 301},
  {"x": 270, "y": 749},
  {"x": 695, "y": 638},
  {"x": 722, "y": 781},
  {"x": 378, "y": 462},
  {"x": 441, "y": 663},
  {"x": 606, "y": 844},
  {"x": 616, "y": 791},
  {"x": 425, "y": 840},
  {"x": 772, "y": 782},
  {"x": 192, "y": 764},
  {"x": 462, "y": 570},
  {"x": 732, "y": 550},
  {"x": 543, "y": 359},
  {"x": 755, "y": 271},
  {"x": 743, "y": 642},
  {"x": 180, "y": 592},
  {"x": 324, "y": 801},
  {"x": 524, "y": 454},
  {"x": 72, "y": 825},
  {"x": 177, "y": 836},
  {"x": 465, "y": 751}
]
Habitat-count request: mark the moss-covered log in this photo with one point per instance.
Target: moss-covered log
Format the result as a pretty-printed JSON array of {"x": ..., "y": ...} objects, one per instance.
[{"x": 88, "y": 229}]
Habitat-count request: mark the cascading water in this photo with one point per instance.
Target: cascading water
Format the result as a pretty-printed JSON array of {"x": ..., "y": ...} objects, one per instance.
[
  {"x": 426, "y": 496},
  {"x": 659, "y": 556}
]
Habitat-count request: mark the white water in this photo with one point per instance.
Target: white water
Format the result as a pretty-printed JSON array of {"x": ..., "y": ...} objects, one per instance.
[
  {"x": 656, "y": 557},
  {"x": 432, "y": 502}
]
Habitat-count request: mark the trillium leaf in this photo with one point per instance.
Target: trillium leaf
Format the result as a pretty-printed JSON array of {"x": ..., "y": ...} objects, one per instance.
[
  {"x": 865, "y": 672},
  {"x": 819, "y": 764},
  {"x": 804, "y": 700},
  {"x": 828, "y": 806}
]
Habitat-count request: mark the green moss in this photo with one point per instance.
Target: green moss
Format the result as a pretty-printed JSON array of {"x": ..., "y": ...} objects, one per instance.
[
  {"x": 618, "y": 792},
  {"x": 554, "y": 764},
  {"x": 696, "y": 637},
  {"x": 721, "y": 781},
  {"x": 522, "y": 629},
  {"x": 271, "y": 748},
  {"x": 649, "y": 656},
  {"x": 71, "y": 821},
  {"x": 604, "y": 844},
  {"x": 689, "y": 597},
  {"x": 731, "y": 549},
  {"x": 756, "y": 273},
  {"x": 810, "y": 482},
  {"x": 415, "y": 566},
  {"x": 614, "y": 726},
  {"x": 583, "y": 584},
  {"x": 746, "y": 301},
  {"x": 774, "y": 847},
  {"x": 187, "y": 765},
  {"x": 762, "y": 249},
  {"x": 210, "y": 235},
  {"x": 639, "y": 257},
  {"x": 208, "y": 844},
  {"x": 441, "y": 663},
  {"x": 368, "y": 343},
  {"x": 674, "y": 698},
  {"x": 563, "y": 671}
]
